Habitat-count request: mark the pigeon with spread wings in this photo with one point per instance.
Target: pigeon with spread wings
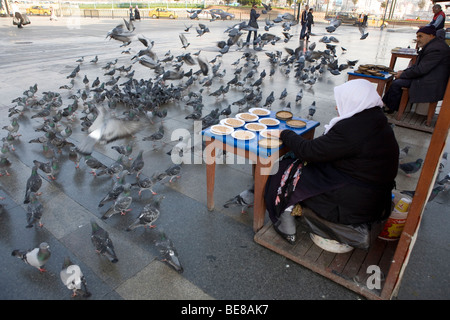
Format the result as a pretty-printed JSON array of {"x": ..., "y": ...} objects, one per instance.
[{"x": 106, "y": 129}]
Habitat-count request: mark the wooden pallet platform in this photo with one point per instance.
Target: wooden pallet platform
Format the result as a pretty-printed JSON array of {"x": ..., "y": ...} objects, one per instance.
[
  {"x": 347, "y": 269},
  {"x": 413, "y": 121}
]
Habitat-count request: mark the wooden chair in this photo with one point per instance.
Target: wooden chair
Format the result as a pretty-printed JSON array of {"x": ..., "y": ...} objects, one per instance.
[{"x": 404, "y": 103}]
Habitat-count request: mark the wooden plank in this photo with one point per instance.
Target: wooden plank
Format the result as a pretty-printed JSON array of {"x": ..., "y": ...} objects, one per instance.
[
  {"x": 325, "y": 263},
  {"x": 373, "y": 257},
  {"x": 423, "y": 189},
  {"x": 353, "y": 265}
]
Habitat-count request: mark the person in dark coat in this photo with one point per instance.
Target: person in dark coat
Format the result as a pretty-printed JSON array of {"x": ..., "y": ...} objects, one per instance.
[
  {"x": 253, "y": 23},
  {"x": 427, "y": 78},
  {"x": 137, "y": 14},
  {"x": 309, "y": 23},
  {"x": 345, "y": 176},
  {"x": 303, "y": 22},
  {"x": 131, "y": 13}
]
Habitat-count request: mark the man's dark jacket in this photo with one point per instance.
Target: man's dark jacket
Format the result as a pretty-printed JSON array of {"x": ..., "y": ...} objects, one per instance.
[
  {"x": 363, "y": 148},
  {"x": 430, "y": 73}
]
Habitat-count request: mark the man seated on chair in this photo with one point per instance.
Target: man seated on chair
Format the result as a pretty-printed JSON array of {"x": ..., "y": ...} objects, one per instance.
[{"x": 427, "y": 78}]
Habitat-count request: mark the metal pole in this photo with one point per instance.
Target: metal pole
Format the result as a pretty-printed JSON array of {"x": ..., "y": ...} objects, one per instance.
[{"x": 385, "y": 10}]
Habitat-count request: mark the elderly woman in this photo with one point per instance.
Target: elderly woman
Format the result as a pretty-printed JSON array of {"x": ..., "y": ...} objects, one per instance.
[{"x": 345, "y": 176}]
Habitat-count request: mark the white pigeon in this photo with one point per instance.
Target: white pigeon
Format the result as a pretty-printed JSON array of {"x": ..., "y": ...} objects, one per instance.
[
  {"x": 106, "y": 129},
  {"x": 72, "y": 277},
  {"x": 245, "y": 199},
  {"x": 36, "y": 257}
]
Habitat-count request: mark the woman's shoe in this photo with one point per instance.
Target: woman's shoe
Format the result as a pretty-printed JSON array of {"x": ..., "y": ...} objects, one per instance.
[
  {"x": 290, "y": 238},
  {"x": 286, "y": 226}
]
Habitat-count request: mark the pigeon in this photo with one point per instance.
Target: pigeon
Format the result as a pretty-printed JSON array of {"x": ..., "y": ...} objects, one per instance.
[
  {"x": 125, "y": 150},
  {"x": 34, "y": 211},
  {"x": 445, "y": 181},
  {"x": 434, "y": 192},
  {"x": 172, "y": 172},
  {"x": 113, "y": 169},
  {"x": 245, "y": 199},
  {"x": 184, "y": 41},
  {"x": 138, "y": 164},
  {"x": 94, "y": 164},
  {"x": 116, "y": 189},
  {"x": 106, "y": 129},
  {"x": 156, "y": 136},
  {"x": 13, "y": 127},
  {"x": 50, "y": 168},
  {"x": 34, "y": 183},
  {"x": 168, "y": 252},
  {"x": 411, "y": 167},
  {"x": 312, "y": 110},
  {"x": 443, "y": 162},
  {"x": 299, "y": 96},
  {"x": 36, "y": 257},
  {"x": 102, "y": 242},
  {"x": 144, "y": 184},
  {"x": 72, "y": 277},
  {"x": 94, "y": 60},
  {"x": 403, "y": 152},
  {"x": 121, "y": 204},
  {"x": 149, "y": 214}
]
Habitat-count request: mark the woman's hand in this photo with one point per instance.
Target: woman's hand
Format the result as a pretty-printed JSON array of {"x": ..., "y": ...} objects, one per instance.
[{"x": 274, "y": 133}]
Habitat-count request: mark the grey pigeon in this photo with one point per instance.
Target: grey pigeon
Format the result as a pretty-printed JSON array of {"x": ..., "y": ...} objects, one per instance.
[
  {"x": 443, "y": 162},
  {"x": 144, "y": 184},
  {"x": 121, "y": 204},
  {"x": 149, "y": 214},
  {"x": 34, "y": 183},
  {"x": 36, "y": 257},
  {"x": 72, "y": 277},
  {"x": 94, "y": 164},
  {"x": 106, "y": 129},
  {"x": 125, "y": 150},
  {"x": 403, "y": 152},
  {"x": 312, "y": 110},
  {"x": 411, "y": 167},
  {"x": 116, "y": 189},
  {"x": 34, "y": 211},
  {"x": 169, "y": 252},
  {"x": 102, "y": 242},
  {"x": 434, "y": 192},
  {"x": 172, "y": 172},
  {"x": 245, "y": 199},
  {"x": 138, "y": 164},
  {"x": 50, "y": 168}
]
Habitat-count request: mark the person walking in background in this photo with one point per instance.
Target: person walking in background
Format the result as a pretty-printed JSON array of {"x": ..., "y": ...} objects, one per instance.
[
  {"x": 137, "y": 14},
  {"x": 303, "y": 22},
  {"x": 309, "y": 23},
  {"x": 131, "y": 13},
  {"x": 438, "y": 21},
  {"x": 253, "y": 23},
  {"x": 52, "y": 14}
]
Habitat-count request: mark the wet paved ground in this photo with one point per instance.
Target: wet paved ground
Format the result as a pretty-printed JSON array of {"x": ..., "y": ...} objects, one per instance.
[{"x": 220, "y": 259}]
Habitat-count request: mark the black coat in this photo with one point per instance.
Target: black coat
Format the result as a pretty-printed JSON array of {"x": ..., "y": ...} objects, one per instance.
[
  {"x": 253, "y": 17},
  {"x": 430, "y": 73},
  {"x": 349, "y": 173}
]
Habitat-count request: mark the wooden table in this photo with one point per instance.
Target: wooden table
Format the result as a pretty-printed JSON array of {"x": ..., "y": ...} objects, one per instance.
[
  {"x": 395, "y": 55},
  {"x": 382, "y": 82},
  {"x": 263, "y": 161}
]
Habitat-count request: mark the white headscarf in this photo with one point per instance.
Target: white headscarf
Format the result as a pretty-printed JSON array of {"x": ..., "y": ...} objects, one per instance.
[{"x": 353, "y": 97}]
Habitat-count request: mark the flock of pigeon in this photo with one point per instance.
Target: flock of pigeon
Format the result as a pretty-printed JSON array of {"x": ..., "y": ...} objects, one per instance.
[{"x": 107, "y": 110}]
